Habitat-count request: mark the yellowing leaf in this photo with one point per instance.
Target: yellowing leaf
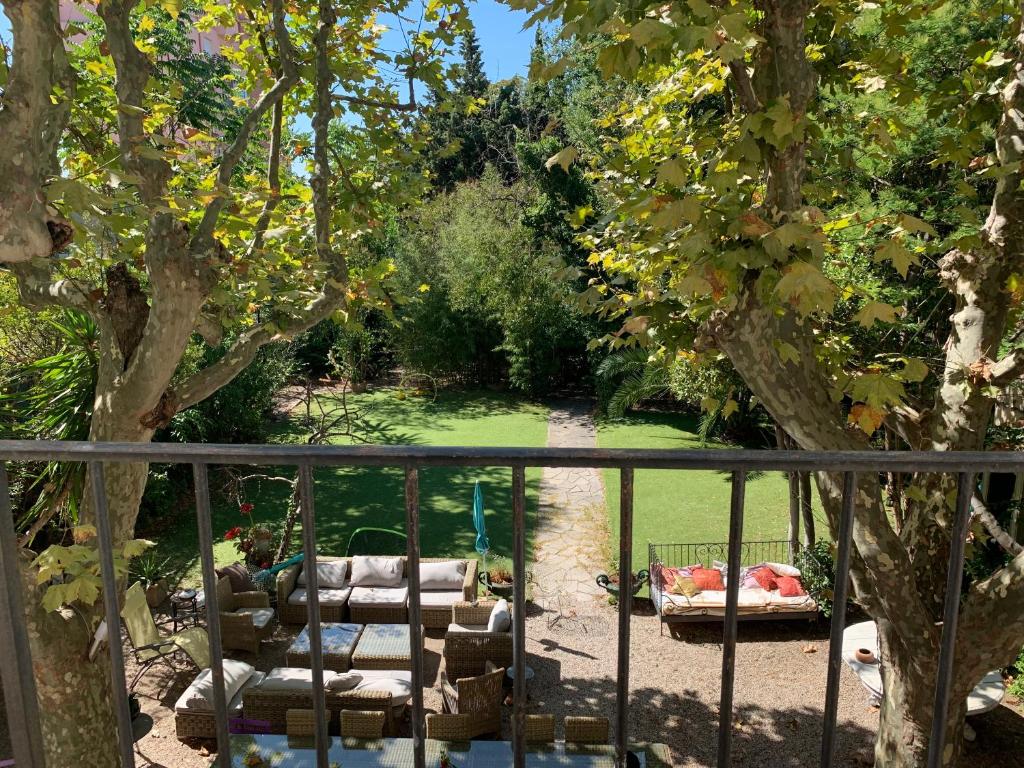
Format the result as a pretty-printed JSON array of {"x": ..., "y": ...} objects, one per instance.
[
  {"x": 672, "y": 172},
  {"x": 564, "y": 159},
  {"x": 896, "y": 252},
  {"x": 730, "y": 407},
  {"x": 424, "y": 288},
  {"x": 806, "y": 289},
  {"x": 709, "y": 404},
  {"x": 914, "y": 369},
  {"x": 867, "y": 418},
  {"x": 875, "y": 312}
]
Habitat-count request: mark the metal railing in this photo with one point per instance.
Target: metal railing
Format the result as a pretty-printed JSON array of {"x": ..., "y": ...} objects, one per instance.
[{"x": 15, "y": 655}]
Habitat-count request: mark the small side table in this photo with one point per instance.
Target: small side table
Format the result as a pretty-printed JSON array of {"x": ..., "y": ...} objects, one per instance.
[
  {"x": 510, "y": 681},
  {"x": 184, "y": 607}
]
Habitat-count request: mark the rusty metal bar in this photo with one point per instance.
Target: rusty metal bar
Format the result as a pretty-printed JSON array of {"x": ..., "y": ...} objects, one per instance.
[
  {"x": 19, "y": 685},
  {"x": 412, "y": 530},
  {"x": 316, "y": 648},
  {"x": 625, "y": 613},
  {"x": 519, "y": 617},
  {"x": 732, "y": 597},
  {"x": 840, "y": 592},
  {"x": 599, "y": 458},
  {"x": 112, "y": 612},
  {"x": 204, "y": 522},
  {"x": 950, "y": 616}
]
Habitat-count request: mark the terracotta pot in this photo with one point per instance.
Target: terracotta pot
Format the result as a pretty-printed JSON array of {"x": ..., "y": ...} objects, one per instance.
[
  {"x": 865, "y": 656},
  {"x": 156, "y": 593}
]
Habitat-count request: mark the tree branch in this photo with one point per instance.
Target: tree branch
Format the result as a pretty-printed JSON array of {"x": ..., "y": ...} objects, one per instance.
[
  {"x": 37, "y": 289},
  {"x": 1001, "y": 537},
  {"x": 744, "y": 86},
  {"x": 202, "y": 242},
  {"x": 397, "y": 106},
  {"x": 1008, "y": 369}
]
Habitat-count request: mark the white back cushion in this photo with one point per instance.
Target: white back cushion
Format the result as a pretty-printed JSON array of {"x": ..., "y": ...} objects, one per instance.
[
  {"x": 200, "y": 693},
  {"x": 343, "y": 681},
  {"x": 447, "y": 575},
  {"x": 781, "y": 569},
  {"x": 328, "y": 575},
  {"x": 376, "y": 571},
  {"x": 500, "y": 619}
]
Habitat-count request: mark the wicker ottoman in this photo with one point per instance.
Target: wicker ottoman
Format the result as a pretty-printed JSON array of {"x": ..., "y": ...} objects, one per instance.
[
  {"x": 383, "y": 646},
  {"x": 338, "y": 641}
]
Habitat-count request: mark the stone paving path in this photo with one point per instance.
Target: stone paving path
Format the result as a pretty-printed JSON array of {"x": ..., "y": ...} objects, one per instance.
[{"x": 570, "y": 545}]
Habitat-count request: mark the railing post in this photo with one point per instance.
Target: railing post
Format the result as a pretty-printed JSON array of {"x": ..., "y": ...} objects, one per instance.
[
  {"x": 204, "y": 524},
  {"x": 625, "y": 612},
  {"x": 732, "y": 597},
  {"x": 104, "y": 540},
  {"x": 519, "y": 616},
  {"x": 412, "y": 530},
  {"x": 19, "y": 685},
  {"x": 316, "y": 649},
  {"x": 840, "y": 590},
  {"x": 950, "y": 617}
]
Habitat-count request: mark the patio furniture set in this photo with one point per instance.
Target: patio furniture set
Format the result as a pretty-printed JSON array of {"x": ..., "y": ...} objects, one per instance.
[{"x": 366, "y": 650}]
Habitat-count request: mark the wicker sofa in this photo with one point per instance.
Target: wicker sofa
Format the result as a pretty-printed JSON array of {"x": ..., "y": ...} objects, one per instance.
[
  {"x": 468, "y": 646},
  {"x": 373, "y": 606}
]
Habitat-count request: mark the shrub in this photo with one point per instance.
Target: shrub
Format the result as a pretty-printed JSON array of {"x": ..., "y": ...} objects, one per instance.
[{"x": 818, "y": 573}]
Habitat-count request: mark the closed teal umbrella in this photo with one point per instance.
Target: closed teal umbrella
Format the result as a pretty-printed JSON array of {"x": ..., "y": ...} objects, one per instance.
[{"x": 483, "y": 546}]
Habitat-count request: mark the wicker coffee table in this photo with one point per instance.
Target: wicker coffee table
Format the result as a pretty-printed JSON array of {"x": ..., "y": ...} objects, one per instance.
[
  {"x": 383, "y": 646},
  {"x": 338, "y": 642}
]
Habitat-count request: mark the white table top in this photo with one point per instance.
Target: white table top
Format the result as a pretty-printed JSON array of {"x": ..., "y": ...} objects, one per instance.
[{"x": 986, "y": 696}]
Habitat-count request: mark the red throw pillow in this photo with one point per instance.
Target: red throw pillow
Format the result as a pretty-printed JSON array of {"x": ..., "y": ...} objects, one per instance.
[
  {"x": 707, "y": 579},
  {"x": 765, "y": 578},
  {"x": 790, "y": 586}
]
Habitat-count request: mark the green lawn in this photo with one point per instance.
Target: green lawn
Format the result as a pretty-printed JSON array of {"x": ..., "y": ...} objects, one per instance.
[
  {"x": 349, "y": 498},
  {"x": 682, "y": 506}
]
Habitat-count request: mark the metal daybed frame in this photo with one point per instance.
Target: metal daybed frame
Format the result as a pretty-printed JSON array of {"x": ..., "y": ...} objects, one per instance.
[{"x": 752, "y": 553}]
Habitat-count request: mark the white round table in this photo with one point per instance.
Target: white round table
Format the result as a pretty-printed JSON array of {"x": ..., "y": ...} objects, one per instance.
[{"x": 985, "y": 697}]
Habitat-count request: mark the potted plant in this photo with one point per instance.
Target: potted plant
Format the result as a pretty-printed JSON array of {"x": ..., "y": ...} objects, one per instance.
[
  {"x": 610, "y": 583},
  {"x": 151, "y": 571},
  {"x": 255, "y": 541},
  {"x": 497, "y": 577}
]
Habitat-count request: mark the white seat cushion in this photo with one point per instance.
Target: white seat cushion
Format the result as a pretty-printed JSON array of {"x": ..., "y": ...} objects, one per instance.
[
  {"x": 234, "y": 705},
  {"x": 448, "y": 575},
  {"x": 291, "y": 679},
  {"x": 399, "y": 688},
  {"x": 500, "y": 619},
  {"x": 199, "y": 695},
  {"x": 467, "y": 628},
  {"x": 438, "y": 599},
  {"x": 332, "y": 597},
  {"x": 261, "y": 617},
  {"x": 330, "y": 575},
  {"x": 380, "y": 596},
  {"x": 343, "y": 681},
  {"x": 376, "y": 571}
]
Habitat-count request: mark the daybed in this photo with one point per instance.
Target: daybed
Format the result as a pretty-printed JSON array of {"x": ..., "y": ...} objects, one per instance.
[
  {"x": 677, "y": 603},
  {"x": 193, "y": 711},
  {"x": 375, "y": 590}
]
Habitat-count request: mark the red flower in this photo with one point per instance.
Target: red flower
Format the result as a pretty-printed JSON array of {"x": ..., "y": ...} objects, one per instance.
[
  {"x": 245, "y": 509},
  {"x": 265, "y": 564},
  {"x": 233, "y": 533}
]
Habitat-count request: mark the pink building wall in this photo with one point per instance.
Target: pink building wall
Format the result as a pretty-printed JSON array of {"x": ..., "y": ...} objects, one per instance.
[{"x": 207, "y": 42}]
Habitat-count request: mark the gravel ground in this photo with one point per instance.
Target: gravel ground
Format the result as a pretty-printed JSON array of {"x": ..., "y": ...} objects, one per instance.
[{"x": 675, "y": 685}]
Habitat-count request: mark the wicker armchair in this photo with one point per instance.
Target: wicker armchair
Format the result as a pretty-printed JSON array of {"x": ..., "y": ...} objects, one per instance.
[
  {"x": 540, "y": 729},
  {"x": 246, "y": 618},
  {"x": 479, "y": 697},
  {"x": 287, "y": 580},
  {"x": 272, "y": 706},
  {"x": 467, "y": 651},
  {"x": 302, "y": 722},
  {"x": 449, "y": 727},
  {"x": 586, "y": 730},
  {"x": 360, "y": 724}
]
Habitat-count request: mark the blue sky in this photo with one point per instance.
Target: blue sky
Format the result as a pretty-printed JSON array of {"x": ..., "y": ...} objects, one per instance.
[{"x": 506, "y": 46}]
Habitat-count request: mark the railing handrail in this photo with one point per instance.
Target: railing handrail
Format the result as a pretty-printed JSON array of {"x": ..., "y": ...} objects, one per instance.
[{"x": 724, "y": 460}]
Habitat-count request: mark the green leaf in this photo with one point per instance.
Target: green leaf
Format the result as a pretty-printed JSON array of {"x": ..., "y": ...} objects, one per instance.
[
  {"x": 806, "y": 289},
  {"x": 647, "y": 30},
  {"x": 914, "y": 369},
  {"x": 672, "y": 172},
  {"x": 895, "y": 251},
  {"x": 877, "y": 389}
]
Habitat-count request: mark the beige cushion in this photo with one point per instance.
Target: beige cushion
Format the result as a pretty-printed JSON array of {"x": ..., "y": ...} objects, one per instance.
[
  {"x": 440, "y": 599},
  {"x": 291, "y": 679},
  {"x": 261, "y": 617},
  {"x": 332, "y": 597},
  {"x": 380, "y": 596},
  {"x": 330, "y": 575},
  {"x": 447, "y": 575},
  {"x": 500, "y": 619},
  {"x": 234, "y": 704},
  {"x": 199, "y": 695},
  {"x": 467, "y": 628},
  {"x": 781, "y": 569},
  {"x": 376, "y": 571},
  {"x": 400, "y": 689},
  {"x": 343, "y": 681}
]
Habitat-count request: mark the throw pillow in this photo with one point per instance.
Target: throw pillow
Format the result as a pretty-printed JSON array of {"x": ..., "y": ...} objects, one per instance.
[
  {"x": 200, "y": 693},
  {"x": 781, "y": 569},
  {"x": 765, "y": 579},
  {"x": 400, "y": 690},
  {"x": 684, "y": 585},
  {"x": 376, "y": 571},
  {"x": 500, "y": 619},
  {"x": 343, "y": 681},
  {"x": 790, "y": 586},
  {"x": 239, "y": 577},
  {"x": 449, "y": 575},
  {"x": 329, "y": 575},
  {"x": 708, "y": 579}
]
